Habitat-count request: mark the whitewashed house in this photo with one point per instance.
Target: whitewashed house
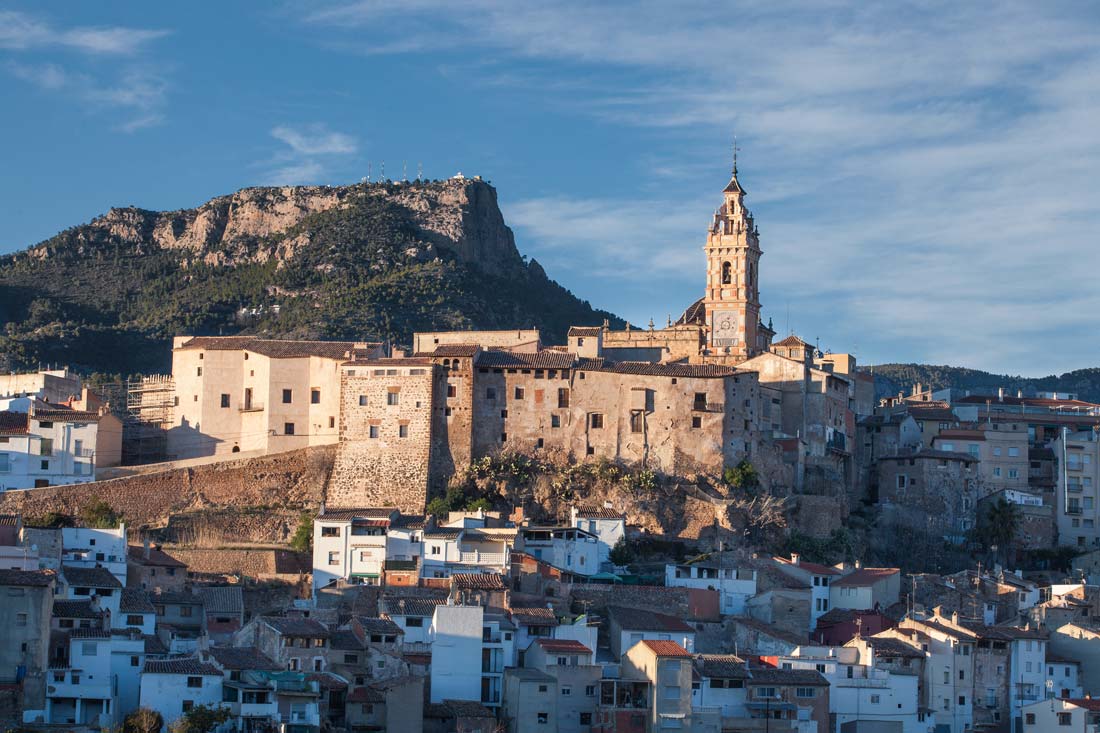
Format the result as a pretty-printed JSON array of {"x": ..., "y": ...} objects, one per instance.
[
  {"x": 88, "y": 547},
  {"x": 456, "y": 635},
  {"x": 50, "y": 447},
  {"x": 174, "y": 686},
  {"x": 608, "y": 525},
  {"x": 80, "y": 690},
  {"x": 735, "y": 586},
  {"x": 566, "y": 548}
]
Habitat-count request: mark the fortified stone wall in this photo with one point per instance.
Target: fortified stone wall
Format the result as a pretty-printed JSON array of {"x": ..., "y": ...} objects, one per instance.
[
  {"x": 294, "y": 480},
  {"x": 383, "y": 456}
]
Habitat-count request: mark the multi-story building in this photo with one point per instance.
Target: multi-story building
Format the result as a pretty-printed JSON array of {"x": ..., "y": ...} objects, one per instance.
[
  {"x": 817, "y": 577},
  {"x": 1000, "y": 447},
  {"x": 933, "y": 491},
  {"x": 735, "y": 586},
  {"x": 25, "y": 618},
  {"x": 149, "y": 567},
  {"x": 859, "y": 691},
  {"x": 239, "y": 393},
  {"x": 91, "y": 547},
  {"x": 571, "y": 549},
  {"x": 172, "y": 687},
  {"x": 1077, "y": 481},
  {"x": 628, "y": 626},
  {"x": 296, "y": 644},
  {"x": 667, "y": 667},
  {"x": 866, "y": 588},
  {"x": 1079, "y": 715},
  {"x": 43, "y": 445},
  {"x": 608, "y": 525},
  {"x": 949, "y": 670}
]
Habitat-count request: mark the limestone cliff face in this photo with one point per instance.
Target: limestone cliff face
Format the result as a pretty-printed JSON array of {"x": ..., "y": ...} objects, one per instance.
[{"x": 457, "y": 216}]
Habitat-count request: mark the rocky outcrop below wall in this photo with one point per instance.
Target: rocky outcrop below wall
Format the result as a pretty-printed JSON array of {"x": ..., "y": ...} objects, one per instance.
[{"x": 278, "y": 486}]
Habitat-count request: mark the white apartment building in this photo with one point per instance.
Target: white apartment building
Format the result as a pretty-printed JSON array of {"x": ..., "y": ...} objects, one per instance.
[
  {"x": 88, "y": 547},
  {"x": 734, "y": 585},
  {"x": 566, "y": 548},
  {"x": 862, "y": 692},
  {"x": 81, "y": 691},
  {"x": 45, "y": 446},
  {"x": 174, "y": 686},
  {"x": 608, "y": 525},
  {"x": 53, "y": 385},
  {"x": 1077, "y": 477},
  {"x": 238, "y": 393},
  {"x": 456, "y": 635}
]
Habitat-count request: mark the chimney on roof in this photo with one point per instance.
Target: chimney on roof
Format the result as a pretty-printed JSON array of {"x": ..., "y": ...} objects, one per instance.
[
  {"x": 1020, "y": 393},
  {"x": 794, "y": 558},
  {"x": 858, "y": 564},
  {"x": 145, "y": 544},
  {"x": 955, "y": 617},
  {"x": 1000, "y": 394}
]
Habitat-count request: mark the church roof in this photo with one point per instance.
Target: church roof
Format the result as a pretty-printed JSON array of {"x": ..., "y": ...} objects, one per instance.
[
  {"x": 734, "y": 186},
  {"x": 792, "y": 340},
  {"x": 695, "y": 314}
]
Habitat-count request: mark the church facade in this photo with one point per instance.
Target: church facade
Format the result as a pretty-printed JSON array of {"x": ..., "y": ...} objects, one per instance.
[{"x": 701, "y": 394}]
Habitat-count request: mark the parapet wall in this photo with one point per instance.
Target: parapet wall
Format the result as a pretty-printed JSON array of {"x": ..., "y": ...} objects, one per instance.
[{"x": 291, "y": 480}]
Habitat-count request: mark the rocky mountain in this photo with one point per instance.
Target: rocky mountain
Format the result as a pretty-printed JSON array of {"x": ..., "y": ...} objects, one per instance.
[
  {"x": 368, "y": 261},
  {"x": 893, "y": 378}
]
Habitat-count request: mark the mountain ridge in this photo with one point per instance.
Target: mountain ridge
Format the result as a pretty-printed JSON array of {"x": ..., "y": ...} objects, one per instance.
[
  {"x": 890, "y": 379},
  {"x": 367, "y": 261}
]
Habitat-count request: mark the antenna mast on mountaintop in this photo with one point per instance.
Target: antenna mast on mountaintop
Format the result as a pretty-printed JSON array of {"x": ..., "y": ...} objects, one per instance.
[
  {"x": 404, "y": 172},
  {"x": 368, "y": 172},
  {"x": 419, "y": 171}
]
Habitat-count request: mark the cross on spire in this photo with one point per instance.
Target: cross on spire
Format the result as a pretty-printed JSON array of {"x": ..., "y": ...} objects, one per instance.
[{"x": 735, "y": 149}]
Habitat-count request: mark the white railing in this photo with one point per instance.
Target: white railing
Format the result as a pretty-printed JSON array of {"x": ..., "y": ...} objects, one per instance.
[{"x": 496, "y": 559}]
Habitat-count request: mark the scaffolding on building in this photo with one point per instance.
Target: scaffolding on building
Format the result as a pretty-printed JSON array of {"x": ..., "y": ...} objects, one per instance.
[{"x": 149, "y": 411}]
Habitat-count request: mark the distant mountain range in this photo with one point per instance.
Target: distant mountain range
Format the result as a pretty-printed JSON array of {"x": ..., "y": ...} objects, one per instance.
[
  {"x": 364, "y": 262},
  {"x": 893, "y": 378}
]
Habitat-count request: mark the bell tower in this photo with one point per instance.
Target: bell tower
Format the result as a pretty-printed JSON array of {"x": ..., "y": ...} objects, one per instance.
[{"x": 732, "y": 299}]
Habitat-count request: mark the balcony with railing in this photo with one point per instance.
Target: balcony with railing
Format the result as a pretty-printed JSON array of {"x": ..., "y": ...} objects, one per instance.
[
  {"x": 250, "y": 406},
  {"x": 1073, "y": 509},
  {"x": 477, "y": 557}
]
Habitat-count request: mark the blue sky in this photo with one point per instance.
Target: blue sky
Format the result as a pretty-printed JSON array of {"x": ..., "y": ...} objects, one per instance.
[{"x": 924, "y": 175}]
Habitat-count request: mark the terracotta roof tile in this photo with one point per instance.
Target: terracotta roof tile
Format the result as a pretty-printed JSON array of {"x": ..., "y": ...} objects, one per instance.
[
  {"x": 190, "y": 666},
  {"x": 89, "y": 577},
  {"x": 13, "y": 423},
  {"x": 665, "y": 648},
  {"x": 135, "y": 601},
  {"x": 563, "y": 646},
  {"x": 725, "y": 666},
  {"x": 545, "y": 359},
  {"x": 583, "y": 331},
  {"x": 74, "y": 609},
  {"x": 478, "y": 581},
  {"x": 288, "y": 626},
  {"x": 598, "y": 513},
  {"x": 534, "y": 617},
  {"x": 637, "y": 619},
  {"x": 865, "y": 577},
  {"x": 460, "y": 350},
  {"x": 283, "y": 349}
]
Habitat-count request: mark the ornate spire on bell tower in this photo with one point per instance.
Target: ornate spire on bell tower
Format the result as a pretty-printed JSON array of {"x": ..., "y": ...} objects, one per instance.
[{"x": 732, "y": 299}]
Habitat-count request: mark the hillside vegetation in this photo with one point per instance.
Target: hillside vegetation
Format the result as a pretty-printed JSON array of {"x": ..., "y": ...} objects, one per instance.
[
  {"x": 366, "y": 262},
  {"x": 893, "y": 378}
]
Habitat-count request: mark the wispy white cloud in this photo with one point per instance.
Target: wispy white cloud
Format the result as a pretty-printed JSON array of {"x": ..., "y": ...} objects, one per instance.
[
  {"x": 924, "y": 174},
  {"x": 125, "y": 86},
  {"x": 20, "y": 31},
  {"x": 309, "y": 153},
  {"x": 315, "y": 139}
]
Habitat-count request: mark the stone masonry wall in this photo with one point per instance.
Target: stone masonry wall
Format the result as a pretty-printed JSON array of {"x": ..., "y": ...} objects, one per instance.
[
  {"x": 391, "y": 468},
  {"x": 294, "y": 480}
]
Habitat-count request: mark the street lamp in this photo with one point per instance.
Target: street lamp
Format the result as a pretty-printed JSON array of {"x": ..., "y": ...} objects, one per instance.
[{"x": 768, "y": 711}]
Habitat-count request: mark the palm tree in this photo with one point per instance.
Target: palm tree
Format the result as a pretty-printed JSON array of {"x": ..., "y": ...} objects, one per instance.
[{"x": 998, "y": 525}]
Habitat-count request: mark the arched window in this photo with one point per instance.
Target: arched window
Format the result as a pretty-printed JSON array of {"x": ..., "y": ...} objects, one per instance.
[{"x": 727, "y": 273}]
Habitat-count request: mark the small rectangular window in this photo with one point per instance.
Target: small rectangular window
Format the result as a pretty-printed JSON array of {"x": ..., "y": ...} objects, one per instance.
[
  {"x": 288, "y": 396},
  {"x": 519, "y": 393},
  {"x": 393, "y": 398},
  {"x": 194, "y": 681},
  {"x": 225, "y": 400},
  {"x": 373, "y": 431},
  {"x": 315, "y": 397},
  {"x": 596, "y": 420},
  {"x": 555, "y": 421},
  {"x": 452, "y": 391},
  {"x": 330, "y": 531},
  {"x": 362, "y": 400},
  {"x": 288, "y": 428},
  {"x": 402, "y": 431}
]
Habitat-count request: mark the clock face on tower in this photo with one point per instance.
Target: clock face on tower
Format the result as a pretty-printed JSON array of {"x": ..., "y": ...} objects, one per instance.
[{"x": 725, "y": 329}]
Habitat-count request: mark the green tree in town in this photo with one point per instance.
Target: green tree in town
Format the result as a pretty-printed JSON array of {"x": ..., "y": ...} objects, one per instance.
[{"x": 98, "y": 514}]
